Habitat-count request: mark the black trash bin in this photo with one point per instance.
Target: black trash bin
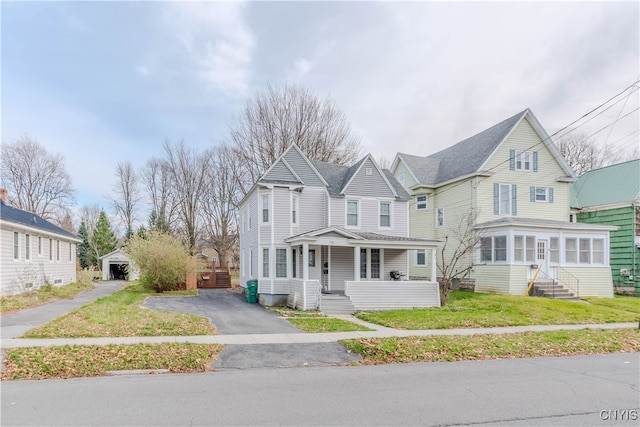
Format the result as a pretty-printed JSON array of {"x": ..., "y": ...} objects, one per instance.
[{"x": 252, "y": 291}]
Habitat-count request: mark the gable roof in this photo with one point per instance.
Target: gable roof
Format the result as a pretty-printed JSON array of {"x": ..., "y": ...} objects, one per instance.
[
  {"x": 608, "y": 185},
  {"x": 468, "y": 156},
  {"x": 28, "y": 219}
]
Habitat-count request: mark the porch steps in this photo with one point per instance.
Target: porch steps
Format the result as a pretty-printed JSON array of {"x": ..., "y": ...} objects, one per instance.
[
  {"x": 336, "y": 304},
  {"x": 552, "y": 289}
]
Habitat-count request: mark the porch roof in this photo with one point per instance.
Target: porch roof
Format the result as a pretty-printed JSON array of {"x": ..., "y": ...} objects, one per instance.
[
  {"x": 518, "y": 222},
  {"x": 338, "y": 236}
]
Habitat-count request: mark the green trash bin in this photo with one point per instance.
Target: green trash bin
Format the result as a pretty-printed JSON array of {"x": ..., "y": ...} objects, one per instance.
[{"x": 252, "y": 291}]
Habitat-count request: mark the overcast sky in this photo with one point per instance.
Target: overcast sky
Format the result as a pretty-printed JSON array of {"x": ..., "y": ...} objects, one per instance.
[{"x": 102, "y": 82}]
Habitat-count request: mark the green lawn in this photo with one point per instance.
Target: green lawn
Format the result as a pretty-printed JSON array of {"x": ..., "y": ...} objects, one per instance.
[
  {"x": 45, "y": 294},
  {"x": 121, "y": 315},
  {"x": 506, "y": 346},
  {"x": 475, "y": 310},
  {"x": 325, "y": 324},
  {"x": 36, "y": 363}
]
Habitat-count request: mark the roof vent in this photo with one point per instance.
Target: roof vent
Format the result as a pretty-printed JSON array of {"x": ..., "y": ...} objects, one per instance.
[
  {"x": 34, "y": 220},
  {"x": 368, "y": 171}
]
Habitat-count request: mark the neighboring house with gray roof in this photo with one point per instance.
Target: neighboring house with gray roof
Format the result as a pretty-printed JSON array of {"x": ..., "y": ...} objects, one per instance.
[
  {"x": 318, "y": 235},
  {"x": 34, "y": 251},
  {"x": 611, "y": 196},
  {"x": 513, "y": 183}
]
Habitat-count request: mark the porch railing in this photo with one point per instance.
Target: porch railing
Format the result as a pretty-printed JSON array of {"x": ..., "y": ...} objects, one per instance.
[
  {"x": 563, "y": 278},
  {"x": 569, "y": 280}
]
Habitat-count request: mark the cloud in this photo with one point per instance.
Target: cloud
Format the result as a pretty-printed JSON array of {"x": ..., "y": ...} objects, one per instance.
[
  {"x": 299, "y": 69},
  {"x": 142, "y": 70},
  {"x": 216, "y": 40}
]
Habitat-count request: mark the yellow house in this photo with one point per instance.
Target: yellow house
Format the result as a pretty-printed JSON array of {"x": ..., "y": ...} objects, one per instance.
[{"x": 510, "y": 185}]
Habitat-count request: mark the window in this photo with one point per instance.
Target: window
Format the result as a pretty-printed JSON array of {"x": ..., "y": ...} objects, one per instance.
[
  {"x": 70, "y": 252},
  {"x": 363, "y": 263},
  {"x": 375, "y": 263},
  {"x": 294, "y": 262},
  {"x": 265, "y": 262},
  {"x": 16, "y": 245},
  {"x": 250, "y": 262},
  {"x": 249, "y": 218},
  {"x": 421, "y": 257},
  {"x": 504, "y": 199},
  {"x": 440, "y": 217},
  {"x": 554, "y": 250},
  {"x": 598, "y": 251},
  {"x": 485, "y": 249},
  {"x": 523, "y": 160},
  {"x": 493, "y": 249},
  {"x": 500, "y": 248},
  {"x": 352, "y": 213},
  {"x": 294, "y": 209},
  {"x": 312, "y": 257},
  {"x": 401, "y": 179},
  {"x": 265, "y": 208},
  {"x": 530, "y": 249},
  {"x": 571, "y": 250},
  {"x": 541, "y": 194},
  {"x": 57, "y": 250},
  {"x": 281, "y": 263},
  {"x": 585, "y": 251},
  {"x": 50, "y": 250},
  {"x": 385, "y": 214},
  {"x": 39, "y": 245},
  {"x": 421, "y": 202}
]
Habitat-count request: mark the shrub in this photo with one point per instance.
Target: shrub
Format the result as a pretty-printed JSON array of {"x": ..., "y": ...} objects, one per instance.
[{"x": 164, "y": 261}]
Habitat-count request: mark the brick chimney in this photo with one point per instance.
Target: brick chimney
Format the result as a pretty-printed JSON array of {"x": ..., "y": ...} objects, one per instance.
[{"x": 4, "y": 195}]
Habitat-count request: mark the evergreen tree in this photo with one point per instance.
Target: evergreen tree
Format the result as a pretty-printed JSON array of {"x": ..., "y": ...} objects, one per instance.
[
  {"x": 83, "y": 248},
  {"x": 103, "y": 240}
]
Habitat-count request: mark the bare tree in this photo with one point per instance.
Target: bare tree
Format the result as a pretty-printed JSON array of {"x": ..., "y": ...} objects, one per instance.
[
  {"x": 37, "y": 181},
  {"x": 64, "y": 219},
  {"x": 279, "y": 116},
  {"x": 89, "y": 215},
  {"x": 157, "y": 182},
  {"x": 220, "y": 204},
  {"x": 186, "y": 168},
  {"x": 583, "y": 154},
  {"x": 455, "y": 260},
  {"x": 127, "y": 189}
]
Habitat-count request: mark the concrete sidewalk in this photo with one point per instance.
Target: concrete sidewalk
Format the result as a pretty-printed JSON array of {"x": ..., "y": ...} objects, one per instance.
[{"x": 298, "y": 338}]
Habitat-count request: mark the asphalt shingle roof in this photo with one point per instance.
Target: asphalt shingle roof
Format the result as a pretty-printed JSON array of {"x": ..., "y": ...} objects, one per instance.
[
  {"x": 18, "y": 216},
  {"x": 464, "y": 158}
]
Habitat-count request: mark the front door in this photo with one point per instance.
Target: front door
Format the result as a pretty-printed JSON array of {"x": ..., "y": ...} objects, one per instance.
[{"x": 542, "y": 255}]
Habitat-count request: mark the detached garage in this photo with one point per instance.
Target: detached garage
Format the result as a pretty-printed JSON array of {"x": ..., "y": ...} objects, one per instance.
[{"x": 118, "y": 266}]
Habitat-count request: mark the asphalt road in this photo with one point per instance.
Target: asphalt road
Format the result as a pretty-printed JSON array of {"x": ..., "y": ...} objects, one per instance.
[{"x": 531, "y": 392}]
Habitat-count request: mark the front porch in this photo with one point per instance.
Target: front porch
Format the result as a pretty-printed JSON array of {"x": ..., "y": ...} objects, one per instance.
[{"x": 366, "y": 268}]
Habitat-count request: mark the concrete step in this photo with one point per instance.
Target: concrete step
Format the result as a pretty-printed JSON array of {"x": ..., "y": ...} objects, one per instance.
[{"x": 336, "y": 304}]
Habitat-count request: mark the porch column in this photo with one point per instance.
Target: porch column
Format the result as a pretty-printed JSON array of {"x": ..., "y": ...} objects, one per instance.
[
  {"x": 356, "y": 263},
  {"x": 305, "y": 261},
  {"x": 433, "y": 265}
]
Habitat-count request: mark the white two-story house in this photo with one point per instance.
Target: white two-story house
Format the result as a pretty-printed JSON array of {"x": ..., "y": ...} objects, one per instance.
[
  {"x": 513, "y": 184},
  {"x": 311, "y": 229}
]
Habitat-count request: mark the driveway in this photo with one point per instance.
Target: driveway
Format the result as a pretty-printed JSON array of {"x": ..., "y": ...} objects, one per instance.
[{"x": 228, "y": 310}]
